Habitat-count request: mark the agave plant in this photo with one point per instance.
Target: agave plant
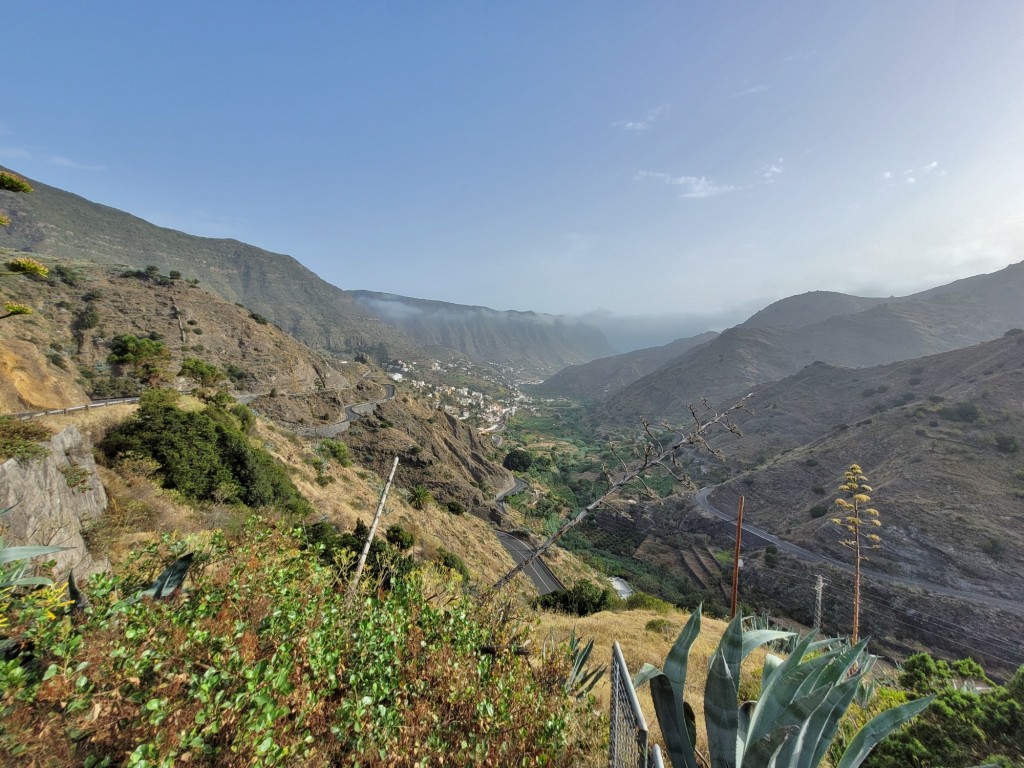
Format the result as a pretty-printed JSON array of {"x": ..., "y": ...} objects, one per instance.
[
  {"x": 795, "y": 718},
  {"x": 14, "y": 563}
]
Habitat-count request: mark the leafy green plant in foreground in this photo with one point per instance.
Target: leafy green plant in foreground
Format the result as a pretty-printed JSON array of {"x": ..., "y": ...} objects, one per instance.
[
  {"x": 265, "y": 663},
  {"x": 795, "y": 718}
]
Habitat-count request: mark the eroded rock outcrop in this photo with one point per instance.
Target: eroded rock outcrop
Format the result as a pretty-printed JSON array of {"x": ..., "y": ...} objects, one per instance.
[{"x": 54, "y": 498}]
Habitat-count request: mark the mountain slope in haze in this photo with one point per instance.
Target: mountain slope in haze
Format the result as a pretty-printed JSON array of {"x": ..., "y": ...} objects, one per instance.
[
  {"x": 806, "y": 308},
  {"x": 943, "y": 454},
  {"x": 525, "y": 339},
  {"x": 958, "y": 315},
  {"x": 601, "y": 377},
  {"x": 58, "y": 224}
]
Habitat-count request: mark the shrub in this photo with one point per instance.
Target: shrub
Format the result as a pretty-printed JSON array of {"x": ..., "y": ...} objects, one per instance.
[
  {"x": 771, "y": 556},
  {"x": 12, "y": 182},
  {"x": 642, "y": 601},
  {"x": 203, "y": 373},
  {"x": 517, "y": 460},
  {"x": 453, "y": 562},
  {"x": 266, "y": 663},
  {"x": 336, "y": 450},
  {"x": 204, "y": 455},
  {"x": 819, "y": 510},
  {"x": 258, "y": 318},
  {"x": 661, "y": 626},
  {"x": 582, "y": 599},
  {"x": 965, "y": 412},
  {"x": 22, "y": 440},
  {"x": 399, "y": 538},
  {"x": 456, "y": 508},
  {"x": 1007, "y": 444}
]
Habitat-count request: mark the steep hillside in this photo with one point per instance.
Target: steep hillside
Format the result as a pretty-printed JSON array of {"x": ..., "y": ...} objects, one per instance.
[
  {"x": 599, "y": 378},
  {"x": 940, "y": 438},
  {"x": 58, "y": 354},
  {"x": 528, "y": 340},
  {"x": 53, "y": 223},
  {"x": 959, "y": 315}
]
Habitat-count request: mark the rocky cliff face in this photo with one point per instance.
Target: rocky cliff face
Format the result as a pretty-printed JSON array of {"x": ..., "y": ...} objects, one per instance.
[{"x": 54, "y": 499}]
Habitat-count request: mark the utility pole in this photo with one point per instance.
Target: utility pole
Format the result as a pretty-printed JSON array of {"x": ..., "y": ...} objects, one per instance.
[
  {"x": 818, "y": 589},
  {"x": 736, "y": 559},
  {"x": 369, "y": 537}
]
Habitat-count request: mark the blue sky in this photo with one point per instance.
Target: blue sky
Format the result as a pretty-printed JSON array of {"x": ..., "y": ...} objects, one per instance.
[{"x": 644, "y": 157}]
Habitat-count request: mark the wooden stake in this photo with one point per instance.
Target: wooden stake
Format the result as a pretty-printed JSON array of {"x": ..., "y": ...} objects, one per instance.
[{"x": 373, "y": 529}]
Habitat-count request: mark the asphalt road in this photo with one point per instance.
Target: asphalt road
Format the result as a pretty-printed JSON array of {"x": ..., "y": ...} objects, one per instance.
[
  {"x": 755, "y": 537},
  {"x": 541, "y": 576}
]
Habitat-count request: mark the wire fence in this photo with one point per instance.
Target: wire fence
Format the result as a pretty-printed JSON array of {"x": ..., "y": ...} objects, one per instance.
[{"x": 627, "y": 742}]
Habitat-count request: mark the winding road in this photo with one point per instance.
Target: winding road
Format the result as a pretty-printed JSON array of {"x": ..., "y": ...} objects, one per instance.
[
  {"x": 543, "y": 579},
  {"x": 753, "y": 532}
]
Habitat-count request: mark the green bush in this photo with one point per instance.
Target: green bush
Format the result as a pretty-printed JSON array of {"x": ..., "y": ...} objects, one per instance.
[
  {"x": 965, "y": 412},
  {"x": 517, "y": 460},
  {"x": 456, "y": 508},
  {"x": 203, "y": 373},
  {"x": 336, "y": 450},
  {"x": 203, "y": 454},
  {"x": 582, "y": 599},
  {"x": 641, "y": 601},
  {"x": 453, "y": 562},
  {"x": 661, "y": 626},
  {"x": 22, "y": 440},
  {"x": 961, "y": 728}
]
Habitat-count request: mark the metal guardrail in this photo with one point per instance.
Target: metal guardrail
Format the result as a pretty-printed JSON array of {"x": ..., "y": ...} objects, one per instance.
[
  {"x": 627, "y": 741},
  {"x": 65, "y": 411}
]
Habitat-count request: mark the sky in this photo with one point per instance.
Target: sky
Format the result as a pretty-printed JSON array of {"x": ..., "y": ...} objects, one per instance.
[{"x": 635, "y": 159}]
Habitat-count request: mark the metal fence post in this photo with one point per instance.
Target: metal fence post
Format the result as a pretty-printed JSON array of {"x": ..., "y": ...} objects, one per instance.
[{"x": 627, "y": 742}]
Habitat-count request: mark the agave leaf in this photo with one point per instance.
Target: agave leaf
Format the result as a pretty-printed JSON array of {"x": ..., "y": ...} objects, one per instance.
[
  {"x": 877, "y": 728},
  {"x": 771, "y": 663},
  {"x": 647, "y": 671},
  {"x": 755, "y": 638},
  {"x": 679, "y": 655},
  {"x": 170, "y": 581},
  {"x": 28, "y": 581},
  {"x": 820, "y": 724},
  {"x": 676, "y": 729},
  {"x": 788, "y": 682},
  {"x": 720, "y": 693},
  {"x": 764, "y": 752},
  {"x": 10, "y": 554}
]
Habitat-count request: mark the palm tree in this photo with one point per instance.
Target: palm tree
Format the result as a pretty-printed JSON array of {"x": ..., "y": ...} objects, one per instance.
[{"x": 420, "y": 498}]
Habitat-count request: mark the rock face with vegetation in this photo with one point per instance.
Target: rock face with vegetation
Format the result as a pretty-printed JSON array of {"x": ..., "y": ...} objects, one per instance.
[{"x": 54, "y": 497}]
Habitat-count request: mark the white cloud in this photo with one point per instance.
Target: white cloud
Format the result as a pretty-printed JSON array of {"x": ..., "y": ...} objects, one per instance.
[
  {"x": 692, "y": 186},
  {"x": 773, "y": 169},
  {"x": 648, "y": 120},
  {"x": 911, "y": 180},
  {"x": 66, "y": 162},
  {"x": 15, "y": 153},
  {"x": 751, "y": 91},
  {"x": 887, "y": 175},
  {"x": 931, "y": 166}
]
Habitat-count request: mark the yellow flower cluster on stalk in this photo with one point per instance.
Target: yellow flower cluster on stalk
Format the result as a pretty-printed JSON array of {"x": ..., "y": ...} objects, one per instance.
[
  {"x": 855, "y": 487},
  {"x": 858, "y": 517}
]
